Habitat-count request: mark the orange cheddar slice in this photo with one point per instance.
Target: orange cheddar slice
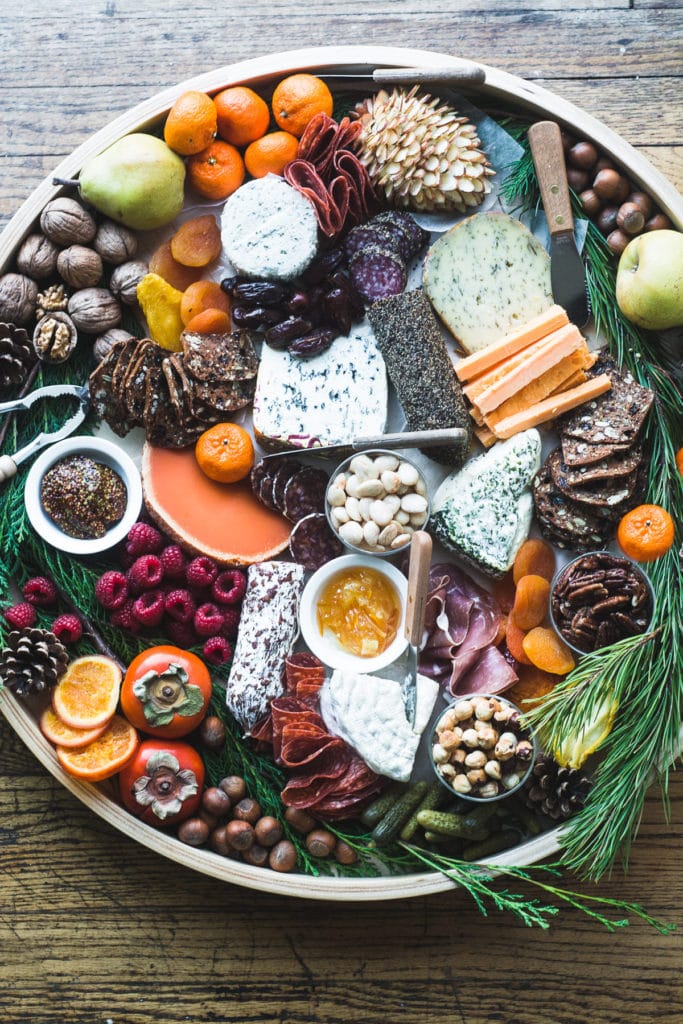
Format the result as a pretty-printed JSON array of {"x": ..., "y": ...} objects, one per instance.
[
  {"x": 480, "y": 384},
  {"x": 545, "y": 323},
  {"x": 486, "y": 436},
  {"x": 554, "y": 379},
  {"x": 571, "y": 382},
  {"x": 553, "y": 406},
  {"x": 554, "y": 348}
]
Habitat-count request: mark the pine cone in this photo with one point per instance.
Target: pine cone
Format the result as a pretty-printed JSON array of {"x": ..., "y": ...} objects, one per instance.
[
  {"x": 32, "y": 661},
  {"x": 16, "y": 354},
  {"x": 555, "y": 791}
]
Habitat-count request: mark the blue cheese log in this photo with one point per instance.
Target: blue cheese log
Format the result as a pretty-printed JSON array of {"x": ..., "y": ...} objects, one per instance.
[
  {"x": 369, "y": 714},
  {"x": 486, "y": 276},
  {"x": 484, "y": 512},
  {"x": 268, "y": 229},
  {"x": 330, "y": 399},
  {"x": 268, "y": 629}
]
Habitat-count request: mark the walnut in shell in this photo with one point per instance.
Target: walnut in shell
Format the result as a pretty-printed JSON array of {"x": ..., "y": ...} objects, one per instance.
[
  {"x": 66, "y": 222},
  {"x": 37, "y": 257},
  {"x": 105, "y": 341},
  {"x": 55, "y": 337},
  {"x": 80, "y": 266},
  {"x": 115, "y": 243},
  {"x": 125, "y": 279},
  {"x": 18, "y": 294},
  {"x": 94, "y": 310}
]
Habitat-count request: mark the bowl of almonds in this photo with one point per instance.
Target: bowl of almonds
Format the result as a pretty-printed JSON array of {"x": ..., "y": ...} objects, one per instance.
[{"x": 375, "y": 501}]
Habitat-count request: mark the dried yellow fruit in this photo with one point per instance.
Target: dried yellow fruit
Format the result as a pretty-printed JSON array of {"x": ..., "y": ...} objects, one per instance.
[{"x": 160, "y": 303}]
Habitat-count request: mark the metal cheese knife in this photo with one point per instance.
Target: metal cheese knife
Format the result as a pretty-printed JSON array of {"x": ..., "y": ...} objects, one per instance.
[
  {"x": 407, "y": 439},
  {"x": 567, "y": 272},
  {"x": 416, "y": 603},
  {"x": 465, "y": 72}
]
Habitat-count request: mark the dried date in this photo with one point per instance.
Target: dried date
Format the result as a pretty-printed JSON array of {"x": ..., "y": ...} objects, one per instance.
[{"x": 313, "y": 344}]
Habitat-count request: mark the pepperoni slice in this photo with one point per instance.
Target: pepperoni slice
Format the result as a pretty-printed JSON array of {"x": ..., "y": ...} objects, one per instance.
[{"x": 304, "y": 673}]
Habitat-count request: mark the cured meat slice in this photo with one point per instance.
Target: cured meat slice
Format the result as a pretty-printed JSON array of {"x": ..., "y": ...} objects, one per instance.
[
  {"x": 313, "y": 542},
  {"x": 304, "y": 674},
  {"x": 302, "y": 175},
  {"x": 260, "y": 472},
  {"x": 267, "y": 631},
  {"x": 304, "y": 493},
  {"x": 377, "y": 273},
  {"x": 319, "y": 142},
  {"x": 348, "y": 164},
  {"x": 417, "y": 236},
  {"x": 281, "y": 477},
  {"x": 364, "y": 235}
]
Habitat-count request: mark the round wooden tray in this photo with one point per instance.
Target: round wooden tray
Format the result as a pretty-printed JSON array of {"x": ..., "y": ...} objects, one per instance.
[{"x": 498, "y": 87}]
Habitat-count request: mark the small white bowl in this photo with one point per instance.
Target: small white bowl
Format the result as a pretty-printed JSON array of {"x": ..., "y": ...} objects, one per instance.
[
  {"x": 326, "y": 646},
  {"x": 100, "y": 450}
]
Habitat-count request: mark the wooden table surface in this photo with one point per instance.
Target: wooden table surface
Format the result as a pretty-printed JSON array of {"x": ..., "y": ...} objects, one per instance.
[{"x": 94, "y": 928}]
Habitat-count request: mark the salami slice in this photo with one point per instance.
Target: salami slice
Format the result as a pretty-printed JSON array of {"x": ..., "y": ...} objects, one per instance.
[
  {"x": 417, "y": 235},
  {"x": 319, "y": 142},
  {"x": 304, "y": 674},
  {"x": 349, "y": 165},
  {"x": 378, "y": 235},
  {"x": 377, "y": 273},
  {"x": 313, "y": 542},
  {"x": 302, "y": 175},
  {"x": 286, "y": 468},
  {"x": 261, "y": 478},
  {"x": 304, "y": 493}
]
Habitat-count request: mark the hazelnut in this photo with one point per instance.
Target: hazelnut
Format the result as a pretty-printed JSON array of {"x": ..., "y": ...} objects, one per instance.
[
  {"x": 604, "y": 164},
  {"x": 247, "y": 810},
  {"x": 37, "y": 257},
  {"x": 344, "y": 854},
  {"x": 617, "y": 241},
  {"x": 239, "y": 834},
  {"x": 268, "y": 831},
  {"x": 591, "y": 202},
  {"x": 193, "y": 832},
  {"x": 216, "y": 801},
  {"x": 607, "y": 219},
  {"x": 101, "y": 348},
  {"x": 583, "y": 155},
  {"x": 630, "y": 218},
  {"x": 115, "y": 243},
  {"x": 234, "y": 786},
  {"x": 256, "y": 855},
  {"x": 578, "y": 180},
  {"x": 658, "y": 223},
  {"x": 568, "y": 140},
  {"x": 609, "y": 184},
  {"x": 18, "y": 295},
  {"x": 55, "y": 337},
  {"x": 211, "y": 730},
  {"x": 94, "y": 310},
  {"x": 79, "y": 266},
  {"x": 642, "y": 201},
  {"x": 299, "y": 820},
  {"x": 66, "y": 222},
  {"x": 125, "y": 279},
  {"x": 283, "y": 856},
  {"x": 320, "y": 842}
]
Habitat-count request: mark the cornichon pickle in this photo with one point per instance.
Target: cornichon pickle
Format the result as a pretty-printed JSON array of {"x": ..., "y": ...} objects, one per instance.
[
  {"x": 375, "y": 811},
  {"x": 494, "y": 844},
  {"x": 431, "y": 800},
  {"x": 524, "y": 815},
  {"x": 391, "y": 824},
  {"x": 454, "y": 825}
]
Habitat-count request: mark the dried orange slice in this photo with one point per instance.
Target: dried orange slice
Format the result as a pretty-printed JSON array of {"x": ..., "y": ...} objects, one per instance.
[
  {"x": 103, "y": 757},
  {"x": 87, "y": 694},
  {"x": 63, "y": 735}
]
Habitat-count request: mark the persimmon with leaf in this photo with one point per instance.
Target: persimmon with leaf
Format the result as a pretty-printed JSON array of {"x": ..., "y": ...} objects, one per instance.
[{"x": 166, "y": 691}]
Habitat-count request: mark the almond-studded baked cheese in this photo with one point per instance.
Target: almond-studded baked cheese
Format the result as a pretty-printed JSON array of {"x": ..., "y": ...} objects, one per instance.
[{"x": 485, "y": 277}]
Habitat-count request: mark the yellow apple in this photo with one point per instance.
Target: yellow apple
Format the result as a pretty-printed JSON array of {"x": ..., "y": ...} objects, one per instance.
[{"x": 650, "y": 280}]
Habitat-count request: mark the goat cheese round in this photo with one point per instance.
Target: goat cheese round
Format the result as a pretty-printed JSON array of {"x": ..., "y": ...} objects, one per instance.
[{"x": 269, "y": 230}]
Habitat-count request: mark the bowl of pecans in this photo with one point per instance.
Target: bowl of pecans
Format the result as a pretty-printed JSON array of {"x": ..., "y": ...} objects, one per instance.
[{"x": 599, "y": 598}]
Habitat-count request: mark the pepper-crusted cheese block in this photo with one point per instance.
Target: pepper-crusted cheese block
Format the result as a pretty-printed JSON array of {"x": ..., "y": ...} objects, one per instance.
[
  {"x": 483, "y": 513},
  {"x": 269, "y": 626},
  {"x": 268, "y": 229},
  {"x": 368, "y": 712},
  {"x": 487, "y": 276},
  {"x": 411, "y": 341},
  {"x": 330, "y": 399}
]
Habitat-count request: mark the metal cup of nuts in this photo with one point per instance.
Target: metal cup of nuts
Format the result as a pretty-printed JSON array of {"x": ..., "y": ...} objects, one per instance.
[
  {"x": 375, "y": 501},
  {"x": 481, "y": 749}
]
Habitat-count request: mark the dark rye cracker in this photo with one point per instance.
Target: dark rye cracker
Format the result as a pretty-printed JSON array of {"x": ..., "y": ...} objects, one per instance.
[
  {"x": 617, "y": 417},
  {"x": 409, "y": 337},
  {"x": 576, "y": 452},
  {"x": 603, "y": 494},
  {"x": 219, "y": 357},
  {"x": 564, "y": 522},
  {"x": 612, "y": 467}
]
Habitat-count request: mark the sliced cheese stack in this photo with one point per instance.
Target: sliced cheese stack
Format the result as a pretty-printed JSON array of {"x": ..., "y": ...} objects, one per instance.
[{"x": 529, "y": 376}]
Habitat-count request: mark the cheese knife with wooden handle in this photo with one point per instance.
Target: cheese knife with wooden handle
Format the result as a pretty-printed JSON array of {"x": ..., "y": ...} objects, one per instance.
[{"x": 416, "y": 603}]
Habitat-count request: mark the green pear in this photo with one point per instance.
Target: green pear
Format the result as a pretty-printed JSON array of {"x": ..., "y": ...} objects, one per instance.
[
  {"x": 650, "y": 280},
  {"x": 138, "y": 181}
]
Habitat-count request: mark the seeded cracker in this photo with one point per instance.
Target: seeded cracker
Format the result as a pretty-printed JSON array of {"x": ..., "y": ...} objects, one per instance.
[
  {"x": 615, "y": 418},
  {"x": 410, "y": 339}
]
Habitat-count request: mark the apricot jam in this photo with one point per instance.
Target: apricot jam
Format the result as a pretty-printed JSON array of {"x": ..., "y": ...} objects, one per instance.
[{"x": 362, "y": 608}]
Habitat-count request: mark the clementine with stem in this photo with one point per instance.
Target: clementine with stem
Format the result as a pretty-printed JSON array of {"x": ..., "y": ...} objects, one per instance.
[{"x": 646, "y": 533}]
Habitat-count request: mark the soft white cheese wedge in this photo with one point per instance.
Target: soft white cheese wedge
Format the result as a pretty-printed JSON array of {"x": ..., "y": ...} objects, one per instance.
[
  {"x": 268, "y": 229},
  {"x": 332, "y": 398},
  {"x": 484, "y": 511},
  {"x": 368, "y": 712}
]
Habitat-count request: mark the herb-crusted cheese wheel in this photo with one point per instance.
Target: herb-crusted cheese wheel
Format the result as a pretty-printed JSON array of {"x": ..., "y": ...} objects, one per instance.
[
  {"x": 268, "y": 229},
  {"x": 487, "y": 276}
]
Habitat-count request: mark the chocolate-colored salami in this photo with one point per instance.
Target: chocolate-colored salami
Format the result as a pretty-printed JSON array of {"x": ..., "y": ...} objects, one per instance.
[
  {"x": 313, "y": 542},
  {"x": 304, "y": 493}
]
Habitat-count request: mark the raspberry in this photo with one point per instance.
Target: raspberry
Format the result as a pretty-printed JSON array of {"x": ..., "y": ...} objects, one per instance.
[
  {"x": 173, "y": 561},
  {"x": 40, "y": 591},
  {"x": 201, "y": 572},
  {"x": 231, "y": 620},
  {"x": 181, "y": 633},
  {"x": 229, "y": 587},
  {"x": 20, "y": 616},
  {"x": 180, "y": 605},
  {"x": 208, "y": 620},
  {"x": 68, "y": 628},
  {"x": 143, "y": 539},
  {"x": 123, "y": 618},
  {"x": 146, "y": 573},
  {"x": 217, "y": 650},
  {"x": 125, "y": 559},
  {"x": 148, "y": 609},
  {"x": 111, "y": 590}
]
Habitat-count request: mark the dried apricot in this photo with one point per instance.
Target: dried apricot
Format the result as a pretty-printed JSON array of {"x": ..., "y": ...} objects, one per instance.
[
  {"x": 547, "y": 651},
  {"x": 531, "y": 601},
  {"x": 534, "y": 558},
  {"x": 200, "y": 296},
  {"x": 209, "y": 321},
  {"x": 197, "y": 242},
  {"x": 532, "y": 687},
  {"x": 514, "y": 638},
  {"x": 174, "y": 273}
]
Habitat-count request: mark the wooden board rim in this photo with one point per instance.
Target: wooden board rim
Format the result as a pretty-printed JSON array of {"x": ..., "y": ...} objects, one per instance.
[{"x": 498, "y": 84}]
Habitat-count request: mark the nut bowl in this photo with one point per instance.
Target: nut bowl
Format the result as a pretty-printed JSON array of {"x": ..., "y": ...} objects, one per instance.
[
  {"x": 481, "y": 750},
  {"x": 375, "y": 500},
  {"x": 100, "y": 450}
]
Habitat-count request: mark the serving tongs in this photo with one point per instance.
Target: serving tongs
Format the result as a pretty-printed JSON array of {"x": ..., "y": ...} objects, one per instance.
[{"x": 9, "y": 463}]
